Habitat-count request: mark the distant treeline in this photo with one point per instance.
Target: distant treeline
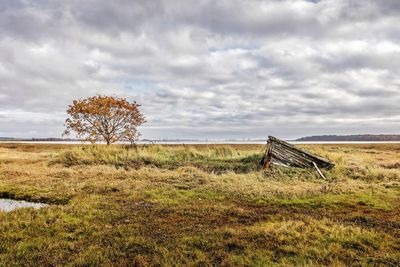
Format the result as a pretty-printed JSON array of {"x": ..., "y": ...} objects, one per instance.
[
  {"x": 6, "y": 138},
  {"x": 36, "y": 139},
  {"x": 359, "y": 137},
  {"x": 53, "y": 139}
]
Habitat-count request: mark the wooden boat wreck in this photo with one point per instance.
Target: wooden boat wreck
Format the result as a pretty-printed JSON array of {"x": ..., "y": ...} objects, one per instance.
[{"x": 282, "y": 153}]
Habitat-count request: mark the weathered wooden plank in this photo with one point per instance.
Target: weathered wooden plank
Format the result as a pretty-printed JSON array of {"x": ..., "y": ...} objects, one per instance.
[
  {"x": 308, "y": 156},
  {"x": 283, "y": 153},
  {"x": 319, "y": 171}
]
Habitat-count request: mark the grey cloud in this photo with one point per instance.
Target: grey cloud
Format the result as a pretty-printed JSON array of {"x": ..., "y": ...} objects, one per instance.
[
  {"x": 115, "y": 16},
  {"x": 207, "y": 70}
]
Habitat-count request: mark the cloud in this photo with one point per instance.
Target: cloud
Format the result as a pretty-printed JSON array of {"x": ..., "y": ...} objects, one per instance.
[{"x": 213, "y": 69}]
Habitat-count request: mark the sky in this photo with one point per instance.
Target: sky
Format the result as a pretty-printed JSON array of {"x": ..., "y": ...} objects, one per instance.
[{"x": 204, "y": 69}]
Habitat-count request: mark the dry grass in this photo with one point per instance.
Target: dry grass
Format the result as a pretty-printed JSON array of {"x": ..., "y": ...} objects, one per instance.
[{"x": 198, "y": 205}]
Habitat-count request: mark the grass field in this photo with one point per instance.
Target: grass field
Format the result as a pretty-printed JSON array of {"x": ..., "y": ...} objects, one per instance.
[{"x": 198, "y": 206}]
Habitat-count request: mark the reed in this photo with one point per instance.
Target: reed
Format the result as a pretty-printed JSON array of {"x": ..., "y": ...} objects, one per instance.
[{"x": 198, "y": 205}]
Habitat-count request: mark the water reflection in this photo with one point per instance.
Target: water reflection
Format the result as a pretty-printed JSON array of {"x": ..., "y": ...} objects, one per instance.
[{"x": 11, "y": 204}]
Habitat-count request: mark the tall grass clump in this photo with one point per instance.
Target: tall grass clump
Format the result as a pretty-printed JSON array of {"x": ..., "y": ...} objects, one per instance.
[{"x": 215, "y": 159}]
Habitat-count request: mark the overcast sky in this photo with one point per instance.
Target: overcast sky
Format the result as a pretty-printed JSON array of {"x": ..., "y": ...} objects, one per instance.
[{"x": 204, "y": 68}]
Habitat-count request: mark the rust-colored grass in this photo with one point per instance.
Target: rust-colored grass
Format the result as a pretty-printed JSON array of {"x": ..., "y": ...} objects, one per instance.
[{"x": 200, "y": 205}]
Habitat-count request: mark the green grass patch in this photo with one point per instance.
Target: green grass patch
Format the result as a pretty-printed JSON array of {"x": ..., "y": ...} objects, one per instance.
[
  {"x": 198, "y": 206},
  {"x": 217, "y": 160},
  {"x": 171, "y": 196},
  {"x": 375, "y": 200}
]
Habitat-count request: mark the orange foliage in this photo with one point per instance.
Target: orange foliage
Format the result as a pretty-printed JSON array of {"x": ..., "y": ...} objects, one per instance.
[{"x": 104, "y": 118}]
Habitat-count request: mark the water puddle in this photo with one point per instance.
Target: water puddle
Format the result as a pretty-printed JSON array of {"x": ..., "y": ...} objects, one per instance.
[{"x": 11, "y": 204}]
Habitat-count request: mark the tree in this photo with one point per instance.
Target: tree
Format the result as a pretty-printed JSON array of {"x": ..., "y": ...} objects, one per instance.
[
  {"x": 132, "y": 136},
  {"x": 104, "y": 118}
]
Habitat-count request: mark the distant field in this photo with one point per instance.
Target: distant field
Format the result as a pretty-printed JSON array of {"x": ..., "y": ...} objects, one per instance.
[{"x": 198, "y": 205}]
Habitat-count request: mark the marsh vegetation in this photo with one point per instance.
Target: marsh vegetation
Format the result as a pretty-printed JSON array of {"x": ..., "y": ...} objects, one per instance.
[{"x": 198, "y": 205}]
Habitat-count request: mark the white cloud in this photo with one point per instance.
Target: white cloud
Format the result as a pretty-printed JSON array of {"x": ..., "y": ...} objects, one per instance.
[{"x": 209, "y": 69}]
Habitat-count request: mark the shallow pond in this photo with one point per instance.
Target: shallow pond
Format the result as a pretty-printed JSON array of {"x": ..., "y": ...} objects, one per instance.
[{"x": 11, "y": 204}]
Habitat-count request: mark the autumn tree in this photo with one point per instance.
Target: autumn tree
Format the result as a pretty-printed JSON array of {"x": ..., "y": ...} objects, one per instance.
[
  {"x": 104, "y": 118},
  {"x": 132, "y": 135}
]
